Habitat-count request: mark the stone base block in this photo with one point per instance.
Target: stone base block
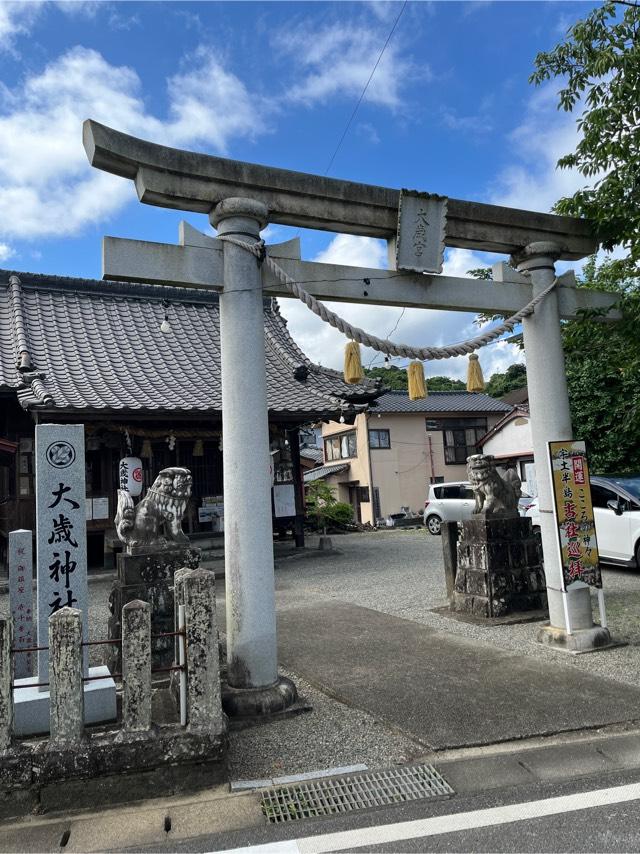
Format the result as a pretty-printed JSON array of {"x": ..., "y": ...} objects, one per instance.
[
  {"x": 499, "y": 568},
  {"x": 258, "y": 702},
  {"x": 579, "y": 641},
  {"x": 31, "y": 705},
  {"x": 148, "y": 576}
]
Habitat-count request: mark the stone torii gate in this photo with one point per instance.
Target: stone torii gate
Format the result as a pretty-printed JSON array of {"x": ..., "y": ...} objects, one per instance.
[{"x": 240, "y": 198}]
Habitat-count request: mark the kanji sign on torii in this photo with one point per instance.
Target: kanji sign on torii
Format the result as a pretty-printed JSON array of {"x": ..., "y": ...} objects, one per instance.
[{"x": 240, "y": 198}]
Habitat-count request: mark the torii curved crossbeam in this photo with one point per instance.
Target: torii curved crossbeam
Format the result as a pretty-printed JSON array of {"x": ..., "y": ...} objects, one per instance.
[{"x": 187, "y": 180}]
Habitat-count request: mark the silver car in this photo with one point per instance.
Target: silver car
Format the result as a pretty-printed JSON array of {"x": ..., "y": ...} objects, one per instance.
[
  {"x": 455, "y": 502},
  {"x": 448, "y": 502}
]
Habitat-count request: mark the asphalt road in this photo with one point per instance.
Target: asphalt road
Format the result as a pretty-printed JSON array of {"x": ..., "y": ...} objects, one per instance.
[{"x": 451, "y": 825}]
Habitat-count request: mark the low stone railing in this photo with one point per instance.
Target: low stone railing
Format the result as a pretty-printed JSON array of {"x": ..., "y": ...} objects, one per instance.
[{"x": 135, "y": 745}]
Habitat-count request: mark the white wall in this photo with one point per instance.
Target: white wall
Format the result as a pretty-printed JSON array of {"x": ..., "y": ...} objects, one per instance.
[{"x": 513, "y": 438}]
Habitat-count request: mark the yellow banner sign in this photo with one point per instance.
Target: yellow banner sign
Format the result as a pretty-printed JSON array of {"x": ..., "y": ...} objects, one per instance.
[{"x": 574, "y": 513}]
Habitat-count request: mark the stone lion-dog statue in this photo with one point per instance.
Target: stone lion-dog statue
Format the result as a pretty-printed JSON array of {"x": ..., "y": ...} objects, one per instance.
[
  {"x": 155, "y": 523},
  {"x": 494, "y": 495}
]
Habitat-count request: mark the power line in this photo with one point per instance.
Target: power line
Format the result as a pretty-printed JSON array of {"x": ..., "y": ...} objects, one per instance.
[
  {"x": 400, "y": 316},
  {"x": 355, "y": 109}
]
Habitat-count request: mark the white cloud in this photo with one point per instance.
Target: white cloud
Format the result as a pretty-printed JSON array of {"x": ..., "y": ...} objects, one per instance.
[
  {"x": 532, "y": 181},
  {"x": 337, "y": 60},
  {"x": 5, "y": 252},
  {"x": 418, "y": 327},
  {"x": 16, "y": 19},
  {"x": 46, "y": 184}
]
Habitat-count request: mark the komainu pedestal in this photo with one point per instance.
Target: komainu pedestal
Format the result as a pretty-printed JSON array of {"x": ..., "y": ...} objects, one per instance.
[
  {"x": 155, "y": 547},
  {"x": 148, "y": 576},
  {"x": 499, "y": 568}
]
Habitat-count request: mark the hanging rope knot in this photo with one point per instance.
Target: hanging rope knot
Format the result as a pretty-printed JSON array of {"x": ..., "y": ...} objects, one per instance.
[{"x": 262, "y": 252}]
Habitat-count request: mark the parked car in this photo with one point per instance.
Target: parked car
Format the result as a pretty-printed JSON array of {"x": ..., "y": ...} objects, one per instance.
[
  {"x": 448, "y": 502},
  {"x": 616, "y": 511},
  {"x": 455, "y": 502}
]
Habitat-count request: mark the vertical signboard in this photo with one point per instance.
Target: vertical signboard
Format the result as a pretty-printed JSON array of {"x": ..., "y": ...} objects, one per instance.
[
  {"x": 21, "y": 599},
  {"x": 574, "y": 514},
  {"x": 422, "y": 219},
  {"x": 61, "y": 532}
]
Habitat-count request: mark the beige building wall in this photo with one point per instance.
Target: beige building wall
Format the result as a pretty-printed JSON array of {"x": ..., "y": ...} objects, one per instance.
[
  {"x": 402, "y": 473},
  {"x": 358, "y": 471}
]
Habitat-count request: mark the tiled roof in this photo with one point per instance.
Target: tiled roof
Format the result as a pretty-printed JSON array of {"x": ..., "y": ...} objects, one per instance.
[
  {"x": 439, "y": 401},
  {"x": 517, "y": 396},
  {"x": 93, "y": 345},
  {"x": 324, "y": 471},
  {"x": 314, "y": 454}
]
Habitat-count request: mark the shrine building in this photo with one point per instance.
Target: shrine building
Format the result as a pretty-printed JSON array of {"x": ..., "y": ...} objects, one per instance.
[{"x": 85, "y": 351}]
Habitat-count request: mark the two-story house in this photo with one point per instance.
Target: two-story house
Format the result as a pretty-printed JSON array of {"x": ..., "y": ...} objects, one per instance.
[{"x": 388, "y": 458}]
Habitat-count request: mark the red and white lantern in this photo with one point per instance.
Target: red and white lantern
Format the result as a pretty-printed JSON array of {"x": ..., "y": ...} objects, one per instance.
[{"x": 130, "y": 475}]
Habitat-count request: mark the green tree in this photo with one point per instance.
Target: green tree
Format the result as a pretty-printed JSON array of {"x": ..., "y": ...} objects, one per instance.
[
  {"x": 603, "y": 374},
  {"x": 395, "y": 378},
  {"x": 598, "y": 65},
  {"x": 500, "y": 384},
  {"x": 324, "y": 508}
]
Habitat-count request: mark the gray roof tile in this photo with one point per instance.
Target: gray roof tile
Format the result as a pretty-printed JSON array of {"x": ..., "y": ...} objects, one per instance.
[
  {"x": 324, "y": 471},
  {"x": 97, "y": 345},
  {"x": 439, "y": 401}
]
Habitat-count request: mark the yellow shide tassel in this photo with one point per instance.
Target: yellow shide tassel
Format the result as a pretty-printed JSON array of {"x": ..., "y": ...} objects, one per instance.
[
  {"x": 417, "y": 384},
  {"x": 353, "y": 372},
  {"x": 475, "y": 380}
]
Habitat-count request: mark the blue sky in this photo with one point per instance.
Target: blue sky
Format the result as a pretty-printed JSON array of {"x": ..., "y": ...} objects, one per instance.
[{"x": 449, "y": 110}]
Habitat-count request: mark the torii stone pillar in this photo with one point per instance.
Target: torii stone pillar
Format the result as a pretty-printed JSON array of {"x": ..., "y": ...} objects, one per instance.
[
  {"x": 551, "y": 421},
  {"x": 253, "y": 684}
]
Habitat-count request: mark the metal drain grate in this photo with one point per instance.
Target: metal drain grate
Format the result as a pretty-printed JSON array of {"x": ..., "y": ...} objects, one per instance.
[{"x": 345, "y": 794}]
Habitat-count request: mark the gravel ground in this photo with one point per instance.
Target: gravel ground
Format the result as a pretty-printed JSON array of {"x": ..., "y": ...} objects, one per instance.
[
  {"x": 398, "y": 573},
  {"x": 331, "y": 735}
]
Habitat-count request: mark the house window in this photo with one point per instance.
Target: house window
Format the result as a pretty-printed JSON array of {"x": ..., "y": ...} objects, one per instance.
[
  {"x": 379, "y": 439},
  {"x": 341, "y": 447},
  {"x": 363, "y": 494},
  {"x": 460, "y": 437}
]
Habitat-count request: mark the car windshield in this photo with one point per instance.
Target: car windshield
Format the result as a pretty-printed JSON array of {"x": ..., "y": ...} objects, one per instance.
[{"x": 630, "y": 484}]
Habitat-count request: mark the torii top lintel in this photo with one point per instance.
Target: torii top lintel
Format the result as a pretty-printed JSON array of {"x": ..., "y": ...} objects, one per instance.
[{"x": 187, "y": 180}]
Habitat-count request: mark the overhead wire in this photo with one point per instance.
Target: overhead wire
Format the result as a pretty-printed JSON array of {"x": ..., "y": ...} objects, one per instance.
[{"x": 363, "y": 93}]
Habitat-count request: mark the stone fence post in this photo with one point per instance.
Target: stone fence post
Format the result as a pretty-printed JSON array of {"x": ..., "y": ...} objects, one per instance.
[
  {"x": 6, "y": 680},
  {"x": 66, "y": 712},
  {"x": 449, "y": 535},
  {"x": 178, "y": 599},
  {"x": 203, "y": 666},
  {"x": 136, "y": 666}
]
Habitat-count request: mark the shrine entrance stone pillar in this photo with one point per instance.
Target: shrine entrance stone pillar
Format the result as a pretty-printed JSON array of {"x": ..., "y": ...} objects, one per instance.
[
  {"x": 570, "y": 619},
  {"x": 253, "y": 687}
]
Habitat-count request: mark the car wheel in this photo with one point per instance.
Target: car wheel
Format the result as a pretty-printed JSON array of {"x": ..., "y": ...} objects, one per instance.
[
  {"x": 638, "y": 554},
  {"x": 433, "y": 525}
]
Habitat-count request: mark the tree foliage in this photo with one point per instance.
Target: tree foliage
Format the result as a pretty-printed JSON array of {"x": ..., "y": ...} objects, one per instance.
[
  {"x": 324, "y": 509},
  {"x": 603, "y": 374},
  {"x": 599, "y": 66},
  {"x": 500, "y": 384},
  {"x": 395, "y": 378}
]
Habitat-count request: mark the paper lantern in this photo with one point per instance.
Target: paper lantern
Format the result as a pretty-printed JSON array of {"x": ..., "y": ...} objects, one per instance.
[{"x": 131, "y": 475}]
